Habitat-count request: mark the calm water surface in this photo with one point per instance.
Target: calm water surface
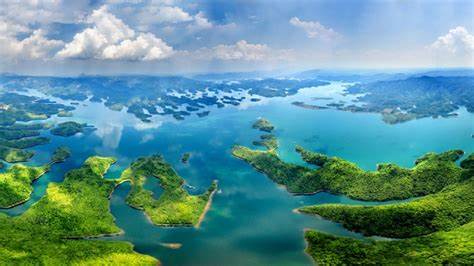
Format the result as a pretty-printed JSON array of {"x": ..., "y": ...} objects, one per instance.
[{"x": 251, "y": 220}]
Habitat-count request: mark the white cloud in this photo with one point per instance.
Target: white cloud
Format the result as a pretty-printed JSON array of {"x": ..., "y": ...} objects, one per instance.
[
  {"x": 110, "y": 38},
  {"x": 200, "y": 23},
  {"x": 457, "y": 41},
  {"x": 145, "y": 47},
  {"x": 26, "y": 12},
  {"x": 35, "y": 46},
  {"x": 314, "y": 29},
  {"x": 172, "y": 14},
  {"x": 242, "y": 50}
]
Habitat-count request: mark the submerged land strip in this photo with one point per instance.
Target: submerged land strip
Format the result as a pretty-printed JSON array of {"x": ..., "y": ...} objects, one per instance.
[{"x": 435, "y": 228}]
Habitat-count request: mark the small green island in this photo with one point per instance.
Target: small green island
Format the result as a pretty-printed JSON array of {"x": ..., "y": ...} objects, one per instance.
[
  {"x": 175, "y": 206},
  {"x": 54, "y": 231},
  {"x": 185, "y": 157},
  {"x": 263, "y": 124},
  {"x": 70, "y": 128},
  {"x": 15, "y": 182}
]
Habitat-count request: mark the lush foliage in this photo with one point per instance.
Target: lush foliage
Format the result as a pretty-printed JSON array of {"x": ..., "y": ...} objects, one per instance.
[
  {"x": 68, "y": 128},
  {"x": 430, "y": 174},
  {"x": 416, "y": 97},
  {"x": 12, "y": 155},
  {"x": 445, "y": 210},
  {"x": 263, "y": 125},
  {"x": 15, "y": 182},
  {"x": 454, "y": 247},
  {"x": 175, "y": 206},
  {"x": 51, "y": 232},
  {"x": 24, "y": 143}
]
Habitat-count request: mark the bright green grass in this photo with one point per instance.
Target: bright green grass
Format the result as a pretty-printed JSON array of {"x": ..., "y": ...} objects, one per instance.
[
  {"x": 175, "y": 206},
  {"x": 52, "y": 231}
]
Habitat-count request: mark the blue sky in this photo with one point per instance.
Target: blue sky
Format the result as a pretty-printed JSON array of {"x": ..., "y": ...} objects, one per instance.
[{"x": 58, "y": 37}]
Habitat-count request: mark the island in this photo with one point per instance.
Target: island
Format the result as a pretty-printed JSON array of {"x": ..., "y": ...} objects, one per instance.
[
  {"x": 263, "y": 124},
  {"x": 435, "y": 229},
  {"x": 185, "y": 157},
  {"x": 431, "y": 173},
  {"x": 175, "y": 206},
  {"x": 12, "y": 155},
  {"x": 69, "y": 128},
  {"x": 309, "y": 106},
  {"x": 54, "y": 231},
  {"x": 269, "y": 141},
  {"x": 15, "y": 182},
  {"x": 402, "y": 100}
]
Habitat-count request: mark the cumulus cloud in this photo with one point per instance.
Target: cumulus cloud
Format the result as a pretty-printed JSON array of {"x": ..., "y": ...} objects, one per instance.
[
  {"x": 457, "y": 41},
  {"x": 200, "y": 23},
  {"x": 314, "y": 29},
  {"x": 35, "y": 46},
  {"x": 26, "y": 12},
  {"x": 242, "y": 50},
  {"x": 110, "y": 38}
]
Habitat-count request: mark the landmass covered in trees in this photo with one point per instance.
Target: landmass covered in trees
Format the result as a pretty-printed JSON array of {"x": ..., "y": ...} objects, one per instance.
[{"x": 175, "y": 206}]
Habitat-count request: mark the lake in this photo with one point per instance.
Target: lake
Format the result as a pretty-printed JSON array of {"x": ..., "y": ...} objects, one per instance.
[{"x": 251, "y": 220}]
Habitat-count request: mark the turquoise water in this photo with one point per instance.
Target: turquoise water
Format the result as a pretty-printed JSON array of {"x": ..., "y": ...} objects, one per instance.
[{"x": 251, "y": 220}]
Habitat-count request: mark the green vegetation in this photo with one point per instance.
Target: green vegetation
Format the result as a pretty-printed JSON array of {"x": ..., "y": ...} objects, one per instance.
[
  {"x": 185, "y": 157},
  {"x": 60, "y": 154},
  {"x": 437, "y": 228},
  {"x": 417, "y": 97},
  {"x": 69, "y": 128},
  {"x": 12, "y": 155},
  {"x": 15, "y": 107},
  {"x": 52, "y": 231},
  {"x": 430, "y": 174},
  {"x": 268, "y": 141},
  {"x": 454, "y": 247},
  {"x": 24, "y": 143},
  {"x": 263, "y": 124},
  {"x": 442, "y": 211},
  {"x": 15, "y": 183},
  {"x": 14, "y": 134},
  {"x": 175, "y": 206}
]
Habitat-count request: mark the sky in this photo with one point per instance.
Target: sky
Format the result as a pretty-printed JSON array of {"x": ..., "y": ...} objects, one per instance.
[{"x": 58, "y": 37}]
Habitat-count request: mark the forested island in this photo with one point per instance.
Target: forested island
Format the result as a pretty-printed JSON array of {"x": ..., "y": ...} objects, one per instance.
[
  {"x": 70, "y": 128},
  {"x": 54, "y": 231},
  {"x": 15, "y": 182},
  {"x": 175, "y": 206},
  {"x": 415, "y": 97},
  {"x": 146, "y": 96},
  {"x": 435, "y": 227}
]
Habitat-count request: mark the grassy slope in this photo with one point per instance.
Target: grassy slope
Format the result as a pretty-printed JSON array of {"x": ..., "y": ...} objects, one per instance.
[
  {"x": 15, "y": 183},
  {"x": 431, "y": 173},
  {"x": 76, "y": 208},
  {"x": 175, "y": 206},
  {"x": 454, "y": 247}
]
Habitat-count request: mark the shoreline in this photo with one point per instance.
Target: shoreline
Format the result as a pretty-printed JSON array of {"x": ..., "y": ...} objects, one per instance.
[{"x": 207, "y": 207}]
